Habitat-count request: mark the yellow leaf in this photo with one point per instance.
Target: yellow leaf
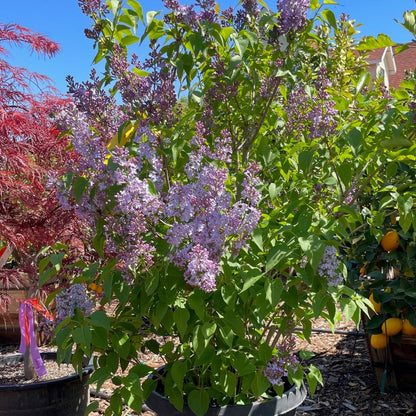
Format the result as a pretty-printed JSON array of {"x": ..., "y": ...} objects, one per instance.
[
  {"x": 125, "y": 136},
  {"x": 217, "y": 8},
  {"x": 107, "y": 158}
]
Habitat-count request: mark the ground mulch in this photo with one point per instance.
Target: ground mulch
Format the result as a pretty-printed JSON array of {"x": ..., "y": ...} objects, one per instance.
[{"x": 350, "y": 387}]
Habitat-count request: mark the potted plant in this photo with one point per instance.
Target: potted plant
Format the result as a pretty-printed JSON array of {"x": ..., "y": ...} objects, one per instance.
[
  {"x": 30, "y": 217},
  {"x": 218, "y": 179},
  {"x": 382, "y": 268},
  {"x": 380, "y": 256}
]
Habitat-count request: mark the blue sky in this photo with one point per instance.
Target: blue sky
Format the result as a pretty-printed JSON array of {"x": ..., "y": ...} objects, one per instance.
[{"x": 63, "y": 22}]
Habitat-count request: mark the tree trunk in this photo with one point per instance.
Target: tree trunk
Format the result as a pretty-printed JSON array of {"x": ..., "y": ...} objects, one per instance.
[{"x": 30, "y": 372}]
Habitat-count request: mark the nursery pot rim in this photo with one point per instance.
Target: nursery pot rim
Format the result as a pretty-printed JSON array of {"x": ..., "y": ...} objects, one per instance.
[
  {"x": 48, "y": 355},
  {"x": 286, "y": 395}
]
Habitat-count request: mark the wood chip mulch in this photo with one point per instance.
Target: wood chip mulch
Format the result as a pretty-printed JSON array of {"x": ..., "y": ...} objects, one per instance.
[{"x": 350, "y": 387}]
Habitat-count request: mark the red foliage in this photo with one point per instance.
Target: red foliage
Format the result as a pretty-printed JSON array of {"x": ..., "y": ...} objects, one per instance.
[{"x": 30, "y": 147}]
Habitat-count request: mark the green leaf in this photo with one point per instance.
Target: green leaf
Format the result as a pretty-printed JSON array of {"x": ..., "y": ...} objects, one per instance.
[
  {"x": 370, "y": 43},
  {"x": 314, "y": 5},
  {"x": 254, "y": 275},
  {"x": 306, "y": 355},
  {"x": 91, "y": 407},
  {"x": 409, "y": 21},
  {"x": 291, "y": 297},
  {"x": 208, "y": 330},
  {"x": 313, "y": 248},
  {"x": 396, "y": 141},
  {"x": 241, "y": 363},
  {"x": 123, "y": 345},
  {"x": 67, "y": 179},
  {"x": 273, "y": 290},
  {"x": 330, "y": 17},
  {"x": 181, "y": 317},
  {"x": 99, "y": 337},
  {"x": 305, "y": 161},
  {"x": 259, "y": 384},
  {"x": 196, "y": 302},
  {"x": 42, "y": 264},
  {"x": 234, "y": 321},
  {"x": 258, "y": 238},
  {"x": 276, "y": 256},
  {"x": 80, "y": 184},
  {"x": 175, "y": 395},
  {"x": 129, "y": 40},
  {"x": 100, "y": 319},
  {"x": 273, "y": 191},
  {"x": 82, "y": 336},
  {"x": 198, "y": 401},
  {"x": 354, "y": 138},
  {"x": 345, "y": 173},
  {"x": 44, "y": 277},
  {"x": 314, "y": 377},
  {"x": 241, "y": 44},
  {"x": 178, "y": 372},
  {"x": 228, "y": 381},
  {"x": 116, "y": 403},
  {"x": 99, "y": 238},
  {"x": 362, "y": 82},
  {"x": 135, "y": 5}
]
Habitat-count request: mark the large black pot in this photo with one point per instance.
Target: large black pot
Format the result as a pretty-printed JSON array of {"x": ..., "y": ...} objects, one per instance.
[
  {"x": 66, "y": 396},
  {"x": 284, "y": 405}
]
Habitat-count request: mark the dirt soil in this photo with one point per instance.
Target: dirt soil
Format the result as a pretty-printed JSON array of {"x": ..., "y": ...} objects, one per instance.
[{"x": 350, "y": 387}]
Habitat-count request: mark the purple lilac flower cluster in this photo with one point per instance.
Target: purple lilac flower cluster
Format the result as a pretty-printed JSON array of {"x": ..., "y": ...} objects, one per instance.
[
  {"x": 136, "y": 207},
  {"x": 249, "y": 8},
  {"x": 92, "y": 7},
  {"x": 322, "y": 114},
  {"x": 329, "y": 267},
  {"x": 293, "y": 15},
  {"x": 152, "y": 94},
  {"x": 184, "y": 14},
  {"x": 97, "y": 105},
  {"x": 204, "y": 219},
  {"x": 278, "y": 367},
  {"x": 75, "y": 297},
  {"x": 316, "y": 113}
]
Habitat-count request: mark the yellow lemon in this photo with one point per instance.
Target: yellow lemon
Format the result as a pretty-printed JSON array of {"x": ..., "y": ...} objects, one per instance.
[
  {"x": 378, "y": 341},
  {"x": 392, "y": 326},
  {"x": 408, "y": 328},
  {"x": 377, "y": 305},
  {"x": 390, "y": 241},
  {"x": 409, "y": 273}
]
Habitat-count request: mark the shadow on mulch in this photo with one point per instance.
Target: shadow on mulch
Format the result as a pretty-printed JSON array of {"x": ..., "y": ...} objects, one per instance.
[{"x": 350, "y": 387}]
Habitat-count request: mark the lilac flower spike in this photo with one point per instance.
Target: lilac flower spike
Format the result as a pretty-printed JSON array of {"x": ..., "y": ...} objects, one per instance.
[
  {"x": 329, "y": 266},
  {"x": 293, "y": 15}
]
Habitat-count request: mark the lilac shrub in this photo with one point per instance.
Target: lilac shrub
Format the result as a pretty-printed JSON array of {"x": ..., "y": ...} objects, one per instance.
[{"x": 215, "y": 176}]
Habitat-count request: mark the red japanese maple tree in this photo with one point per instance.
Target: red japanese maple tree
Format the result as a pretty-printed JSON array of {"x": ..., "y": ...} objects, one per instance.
[{"x": 30, "y": 147}]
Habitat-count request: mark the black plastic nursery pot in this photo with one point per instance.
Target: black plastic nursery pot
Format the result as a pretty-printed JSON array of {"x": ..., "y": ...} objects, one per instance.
[
  {"x": 279, "y": 405},
  {"x": 66, "y": 396}
]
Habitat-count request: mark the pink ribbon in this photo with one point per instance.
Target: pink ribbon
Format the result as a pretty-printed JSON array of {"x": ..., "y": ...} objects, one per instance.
[{"x": 28, "y": 338}]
